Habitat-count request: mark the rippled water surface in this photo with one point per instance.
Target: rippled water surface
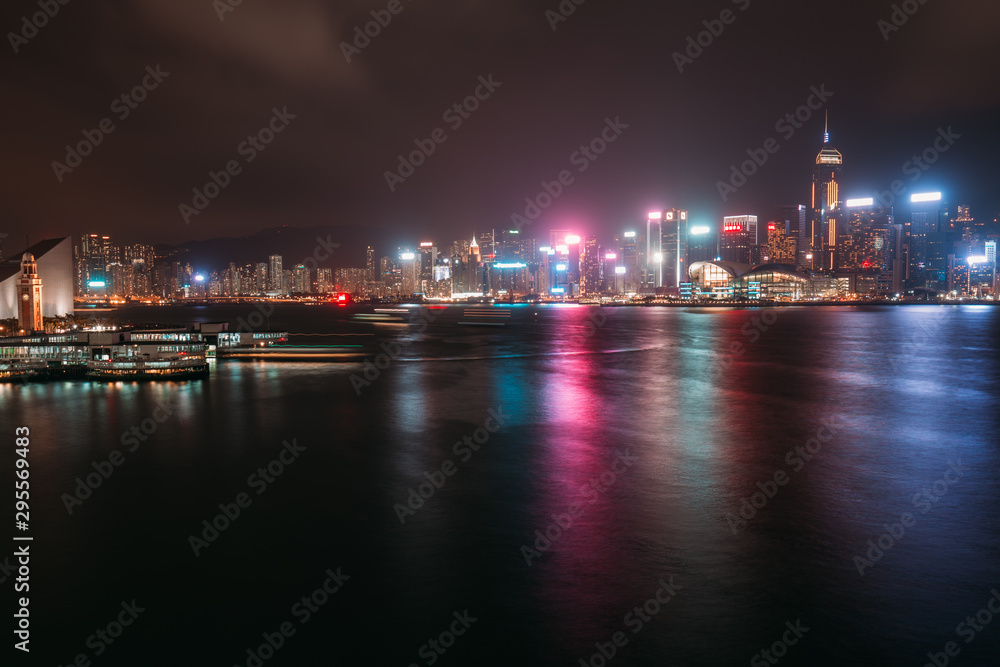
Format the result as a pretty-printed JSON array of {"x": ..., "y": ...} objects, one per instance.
[{"x": 631, "y": 441}]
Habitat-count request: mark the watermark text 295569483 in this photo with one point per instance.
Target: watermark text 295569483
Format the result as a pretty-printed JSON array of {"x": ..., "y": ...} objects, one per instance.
[{"x": 22, "y": 618}]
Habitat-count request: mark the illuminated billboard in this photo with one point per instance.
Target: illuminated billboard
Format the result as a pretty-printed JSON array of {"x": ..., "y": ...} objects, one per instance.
[
  {"x": 925, "y": 197},
  {"x": 854, "y": 203}
]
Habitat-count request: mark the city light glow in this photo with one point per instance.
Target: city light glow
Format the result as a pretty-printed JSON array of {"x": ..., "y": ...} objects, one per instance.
[
  {"x": 407, "y": 256},
  {"x": 620, "y": 270},
  {"x": 977, "y": 259},
  {"x": 572, "y": 239},
  {"x": 560, "y": 267},
  {"x": 611, "y": 255},
  {"x": 630, "y": 235}
]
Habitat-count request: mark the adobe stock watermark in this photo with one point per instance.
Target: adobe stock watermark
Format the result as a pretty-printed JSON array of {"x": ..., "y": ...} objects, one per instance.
[
  {"x": 796, "y": 458},
  {"x": 432, "y": 651},
  {"x": 372, "y": 368},
  {"x": 30, "y": 25},
  {"x": 713, "y": 30},
  {"x": 779, "y": 649},
  {"x": 464, "y": 449},
  {"x": 599, "y": 485},
  {"x": 918, "y": 165},
  {"x": 381, "y": 18},
  {"x": 562, "y": 12},
  {"x": 303, "y": 611},
  {"x": 787, "y": 126},
  {"x": 581, "y": 158},
  {"x": 122, "y": 107},
  {"x": 102, "y": 638},
  {"x": 230, "y": 512},
  {"x": 968, "y": 629},
  {"x": 901, "y": 13},
  {"x": 924, "y": 501},
  {"x": 635, "y": 620},
  {"x": 455, "y": 116},
  {"x": 249, "y": 149},
  {"x": 103, "y": 469},
  {"x": 223, "y": 7}
]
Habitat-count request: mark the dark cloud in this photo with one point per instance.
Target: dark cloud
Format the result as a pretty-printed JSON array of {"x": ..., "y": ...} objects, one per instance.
[{"x": 353, "y": 119}]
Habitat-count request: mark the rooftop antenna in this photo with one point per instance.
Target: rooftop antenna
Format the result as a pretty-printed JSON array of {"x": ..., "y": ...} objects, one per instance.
[{"x": 826, "y": 128}]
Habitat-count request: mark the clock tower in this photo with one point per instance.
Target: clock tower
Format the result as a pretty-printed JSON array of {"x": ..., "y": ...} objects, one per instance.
[{"x": 29, "y": 294}]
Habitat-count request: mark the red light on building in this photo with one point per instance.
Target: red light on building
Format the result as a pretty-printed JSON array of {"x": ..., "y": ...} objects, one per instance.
[
  {"x": 343, "y": 299},
  {"x": 733, "y": 227},
  {"x": 771, "y": 227}
]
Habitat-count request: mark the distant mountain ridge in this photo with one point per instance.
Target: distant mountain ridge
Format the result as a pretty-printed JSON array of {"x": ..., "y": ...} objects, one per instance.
[{"x": 343, "y": 246}]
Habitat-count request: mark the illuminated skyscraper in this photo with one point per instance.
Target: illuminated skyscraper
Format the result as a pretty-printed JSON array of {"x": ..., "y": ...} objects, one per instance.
[
  {"x": 303, "y": 280},
  {"x": 738, "y": 242},
  {"x": 277, "y": 273},
  {"x": 781, "y": 246},
  {"x": 928, "y": 240},
  {"x": 652, "y": 277},
  {"x": 427, "y": 254},
  {"x": 825, "y": 203},
  {"x": 628, "y": 259},
  {"x": 796, "y": 225},
  {"x": 591, "y": 262},
  {"x": 674, "y": 247},
  {"x": 703, "y": 246}
]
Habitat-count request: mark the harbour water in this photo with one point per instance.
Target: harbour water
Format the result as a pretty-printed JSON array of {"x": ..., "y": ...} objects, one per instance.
[{"x": 630, "y": 486}]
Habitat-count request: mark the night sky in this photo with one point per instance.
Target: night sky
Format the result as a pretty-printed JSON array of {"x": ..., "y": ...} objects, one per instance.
[{"x": 608, "y": 60}]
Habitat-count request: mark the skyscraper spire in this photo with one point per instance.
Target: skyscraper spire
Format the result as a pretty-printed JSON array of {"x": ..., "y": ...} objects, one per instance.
[{"x": 826, "y": 128}]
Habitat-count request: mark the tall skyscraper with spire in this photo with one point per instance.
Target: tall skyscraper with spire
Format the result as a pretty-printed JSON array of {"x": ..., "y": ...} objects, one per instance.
[{"x": 825, "y": 207}]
